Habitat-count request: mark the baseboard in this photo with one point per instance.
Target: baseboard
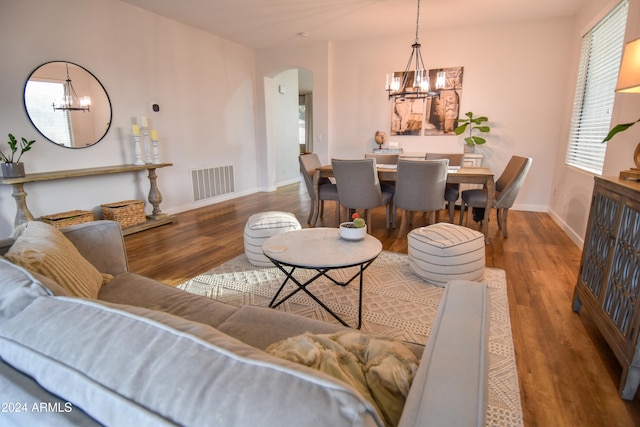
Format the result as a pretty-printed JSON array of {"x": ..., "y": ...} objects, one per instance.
[{"x": 575, "y": 238}]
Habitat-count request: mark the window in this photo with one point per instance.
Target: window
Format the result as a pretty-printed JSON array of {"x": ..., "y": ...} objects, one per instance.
[
  {"x": 595, "y": 91},
  {"x": 39, "y": 97}
]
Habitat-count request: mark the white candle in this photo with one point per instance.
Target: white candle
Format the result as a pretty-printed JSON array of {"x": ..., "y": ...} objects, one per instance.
[
  {"x": 135, "y": 129},
  {"x": 154, "y": 135},
  {"x": 145, "y": 122}
]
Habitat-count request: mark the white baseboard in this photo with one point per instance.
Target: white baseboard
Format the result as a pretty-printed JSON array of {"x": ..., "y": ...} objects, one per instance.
[{"x": 575, "y": 237}]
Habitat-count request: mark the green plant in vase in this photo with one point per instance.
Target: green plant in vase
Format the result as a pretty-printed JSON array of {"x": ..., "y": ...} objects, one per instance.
[
  {"x": 473, "y": 124},
  {"x": 13, "y": 145},
  {"x": 11, "y": 166}
]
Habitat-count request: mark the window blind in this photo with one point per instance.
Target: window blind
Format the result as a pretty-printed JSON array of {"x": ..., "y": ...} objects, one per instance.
[
  {"x": 595, "y": 91},
  {"x": 39, "y": 97}
]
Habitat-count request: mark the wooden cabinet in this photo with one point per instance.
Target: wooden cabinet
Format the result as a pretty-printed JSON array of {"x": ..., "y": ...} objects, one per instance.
[{"x": 609, "y": 277}]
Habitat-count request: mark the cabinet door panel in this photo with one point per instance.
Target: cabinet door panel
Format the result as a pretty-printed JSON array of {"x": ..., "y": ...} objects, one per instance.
[
  {"x": 599, "y": 242},
  {"x": 622, "y": 289}
]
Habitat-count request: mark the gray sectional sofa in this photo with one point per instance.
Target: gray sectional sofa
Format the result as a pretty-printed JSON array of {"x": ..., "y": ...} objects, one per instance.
[{"x": 147, "y": 354}]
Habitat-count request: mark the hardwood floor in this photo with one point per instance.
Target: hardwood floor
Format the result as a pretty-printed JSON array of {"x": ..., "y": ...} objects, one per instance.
[{"x": 568, "y": 376}]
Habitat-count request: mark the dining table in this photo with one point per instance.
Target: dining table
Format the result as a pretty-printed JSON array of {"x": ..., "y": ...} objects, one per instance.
[{"x": 463, "y": 175}]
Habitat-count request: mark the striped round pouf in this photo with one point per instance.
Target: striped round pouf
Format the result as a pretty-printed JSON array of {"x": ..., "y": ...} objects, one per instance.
[
  {"x": 260, "y": 227},
  {"x": 442, "y": 252}
]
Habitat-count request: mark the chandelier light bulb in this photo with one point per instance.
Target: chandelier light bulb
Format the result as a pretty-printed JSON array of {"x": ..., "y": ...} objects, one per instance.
[{"x": 441, "y": 80}]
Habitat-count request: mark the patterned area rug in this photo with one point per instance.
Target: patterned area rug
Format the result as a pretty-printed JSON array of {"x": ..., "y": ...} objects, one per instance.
[{"x": 395, "y": 303}]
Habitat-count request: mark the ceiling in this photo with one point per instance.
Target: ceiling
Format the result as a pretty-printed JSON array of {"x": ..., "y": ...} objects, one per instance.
[{"x": 262, "y": 24}]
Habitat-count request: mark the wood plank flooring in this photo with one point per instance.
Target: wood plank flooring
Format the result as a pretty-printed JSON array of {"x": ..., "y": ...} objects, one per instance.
[{"x": 568, "y": 376}]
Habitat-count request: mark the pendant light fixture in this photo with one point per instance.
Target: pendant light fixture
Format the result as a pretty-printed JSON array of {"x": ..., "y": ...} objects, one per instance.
[
  {"x": 71, "y": 101},
  {"x": 415, "y": 82}
]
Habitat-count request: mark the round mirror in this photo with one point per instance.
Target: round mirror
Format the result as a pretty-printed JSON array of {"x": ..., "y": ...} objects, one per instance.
[{"x": 67, "y": 104}]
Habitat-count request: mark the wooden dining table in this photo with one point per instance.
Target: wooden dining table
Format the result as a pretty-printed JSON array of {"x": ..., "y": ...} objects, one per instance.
[{"x": 464, "y": 175}]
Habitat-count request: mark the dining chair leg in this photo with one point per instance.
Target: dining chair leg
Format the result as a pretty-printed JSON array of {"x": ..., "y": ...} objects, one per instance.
[
  {"x": 433, "y": 217},
  {"x": 452, "y": 210},
  {"x": 313, "y": 215},
  {"x": 321, "y": 208},
  {"x": 462, "y": 208},
  {"x": 503, "y": 217},
  {"x": 403, "y": 223},
  {"x": 312, "y": 209}
]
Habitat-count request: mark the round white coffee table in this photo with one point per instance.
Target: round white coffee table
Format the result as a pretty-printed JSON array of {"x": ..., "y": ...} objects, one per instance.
[{"x": 319, "y": 249}]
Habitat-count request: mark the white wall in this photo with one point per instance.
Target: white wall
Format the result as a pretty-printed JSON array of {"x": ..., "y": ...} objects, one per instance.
[
  {"x": 285, "y": 114},
  {"x": 204, "y": 85},
  {"x": 572, "y": 188}
]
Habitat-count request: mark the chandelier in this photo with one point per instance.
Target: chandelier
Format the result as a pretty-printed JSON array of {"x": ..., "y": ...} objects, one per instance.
[
  {"x": 415, "y": 83},
  {"x": 71, "y": 98}
]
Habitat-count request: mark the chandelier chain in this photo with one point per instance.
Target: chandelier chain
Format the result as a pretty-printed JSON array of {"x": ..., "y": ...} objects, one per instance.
[{"x": 417, "y": 21}]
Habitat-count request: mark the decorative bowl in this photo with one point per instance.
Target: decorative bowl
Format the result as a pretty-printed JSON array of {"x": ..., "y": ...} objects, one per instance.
[{"x": 349, "y": 232}]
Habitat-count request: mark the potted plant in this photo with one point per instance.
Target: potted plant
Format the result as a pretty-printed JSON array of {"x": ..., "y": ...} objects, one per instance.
[
  {"x": 11, "y": 166},
  {"x": 473, "y": 124},
  {"x": 354, "y": 230},
  {"x": 621, "y": 128}
]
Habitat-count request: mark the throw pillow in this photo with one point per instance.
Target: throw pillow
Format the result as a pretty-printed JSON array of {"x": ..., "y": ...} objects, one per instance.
[
  {"x": 380, "y": 368},
  {"x": 42, "y": 248}
]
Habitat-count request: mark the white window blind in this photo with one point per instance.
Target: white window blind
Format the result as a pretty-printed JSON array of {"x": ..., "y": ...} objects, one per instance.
[
  {"x": 39, "y": 97},
  {"x": 595, "y": 91}
]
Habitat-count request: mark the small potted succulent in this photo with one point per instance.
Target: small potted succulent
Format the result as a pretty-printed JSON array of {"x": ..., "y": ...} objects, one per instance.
[
  {"x": 11, "y": 166},
  {"x": 353, "y": 230}
]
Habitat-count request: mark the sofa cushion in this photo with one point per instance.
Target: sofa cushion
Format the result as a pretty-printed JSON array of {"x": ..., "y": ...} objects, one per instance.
[
  {"x": 28, "y": 404},
  {"x": 18, "y": 288},
  {"x": 269, "y": 326},
  {"x": 132, "y": 289},
  {"x": 133, "y": 370},
  {"x": 42, "y": 248}
]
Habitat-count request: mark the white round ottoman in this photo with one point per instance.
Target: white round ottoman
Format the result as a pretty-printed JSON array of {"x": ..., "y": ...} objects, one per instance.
[
  {"x": 260, "y": 227},
  {"x": 442, "y": 252}
]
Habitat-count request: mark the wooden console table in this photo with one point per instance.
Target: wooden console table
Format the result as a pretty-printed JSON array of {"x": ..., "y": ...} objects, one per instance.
[{"x": 156, "y": 218}]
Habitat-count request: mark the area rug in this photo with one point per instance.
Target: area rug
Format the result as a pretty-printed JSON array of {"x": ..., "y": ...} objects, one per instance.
[{"x": 396, "y": 303}]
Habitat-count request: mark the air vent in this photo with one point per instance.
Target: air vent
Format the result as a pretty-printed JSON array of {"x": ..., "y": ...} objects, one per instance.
[{"x": 212, "y": 182}]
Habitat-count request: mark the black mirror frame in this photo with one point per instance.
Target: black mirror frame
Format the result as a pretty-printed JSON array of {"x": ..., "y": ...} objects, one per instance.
[{"x": 96, "y": 79}]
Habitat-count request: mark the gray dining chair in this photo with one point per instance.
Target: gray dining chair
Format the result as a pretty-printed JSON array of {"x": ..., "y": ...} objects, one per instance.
[
  {"x": 420, "y": 187},
  {"x": 383, "y": 159},
  {"x": 326, "y": 190},
  {"x": 452, "y": 191},
  {"x": 359, "y": 188},
  {"x": 507, "y": 188}
]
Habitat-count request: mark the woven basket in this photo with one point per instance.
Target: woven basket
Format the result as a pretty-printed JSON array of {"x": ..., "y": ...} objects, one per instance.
[
  {"x": 65, "y": 219},
  {"x": 128, "y": 212}
]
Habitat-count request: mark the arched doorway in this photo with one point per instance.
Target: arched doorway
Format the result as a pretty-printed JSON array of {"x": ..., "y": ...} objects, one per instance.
[{"x": 291, "y": 120}]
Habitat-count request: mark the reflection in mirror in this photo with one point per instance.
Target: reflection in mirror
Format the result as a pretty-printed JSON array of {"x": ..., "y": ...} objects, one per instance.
[{"x": 67, "y": 104}]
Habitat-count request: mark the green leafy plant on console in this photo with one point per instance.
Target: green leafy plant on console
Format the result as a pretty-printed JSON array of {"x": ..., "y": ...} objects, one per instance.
[
  {"x": 473, "y": 124},
  {"x": 619, "y": 128},
  {"x": 23, "y": 145}
]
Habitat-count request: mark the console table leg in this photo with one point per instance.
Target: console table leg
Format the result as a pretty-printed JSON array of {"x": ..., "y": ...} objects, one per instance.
[
  {"x": 155, "y": 198},
  {"x": 22, "y": 211}
]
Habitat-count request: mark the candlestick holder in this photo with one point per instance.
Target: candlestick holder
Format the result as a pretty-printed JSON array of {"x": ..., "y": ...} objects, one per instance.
[
  {"x": 136, "y": 146},
  {"x": 154, "y": 145},
  {"x": 146, "y": 144}
]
